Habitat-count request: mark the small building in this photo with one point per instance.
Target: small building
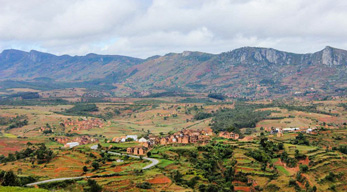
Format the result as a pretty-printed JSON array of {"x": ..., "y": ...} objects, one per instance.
[
  {"x": 142, "y": 140},
  {"x": 118, "y": 139},
  {"x": 136, "y": 151},
  {"x": 72, "y": 144},
  {"x": 146, "y": 144},
  {"x": 94, "y": 147},
  {"x": 185, "y": 139},
  {"x": 290, "y": 129},
  {"x": 163, "y": 141},
  {"x": 311, "y": 130},
  {"x": 229, "y": 135},
  {"x": 141, "y": 151},
  {"x": 129, "y": 150}
]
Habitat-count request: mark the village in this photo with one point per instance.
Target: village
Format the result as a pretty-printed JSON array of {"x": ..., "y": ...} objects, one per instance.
[
  {"x": 185, "y": 136},
  {"x": 146, "y": 143}
]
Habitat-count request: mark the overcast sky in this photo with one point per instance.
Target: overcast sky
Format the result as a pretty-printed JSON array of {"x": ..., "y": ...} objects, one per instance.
[{"x": 142, "y": 28}]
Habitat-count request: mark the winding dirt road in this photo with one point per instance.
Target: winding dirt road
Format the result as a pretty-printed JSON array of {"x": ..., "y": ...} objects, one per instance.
[{"x": 154, "y": 162}]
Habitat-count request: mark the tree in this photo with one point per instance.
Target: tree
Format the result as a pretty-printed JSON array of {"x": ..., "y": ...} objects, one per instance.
[
  {"x": 85, "y": 169},
  {"x": 144, "y": 185},
  {"x": 307, "y": 185},
  {"x": 314, "y": 188},
  {"x": 280, "y": 146},
  {"x": 95, "y": 165},
  {"x": 176, "y": 176},
  {"x": 149, "y": 154},
  {"x": 93, "y": 186},
  {"x": 9, "y": 179},
  {"x": 304, "y": 168},
  {"x": 129, "y": 139},
  {"x": 202, "y": 188},
  {"x": 193, "y": 181},
  {"x": 212, "y": 188}
]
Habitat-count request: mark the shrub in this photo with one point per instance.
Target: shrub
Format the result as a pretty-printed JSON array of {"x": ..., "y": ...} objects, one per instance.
[
  {"x": 93, "y": 186},
  {"x": 95, "y": 165},
  {"x": 144, "y": 185},
  {"x": 303, "y": 168}
]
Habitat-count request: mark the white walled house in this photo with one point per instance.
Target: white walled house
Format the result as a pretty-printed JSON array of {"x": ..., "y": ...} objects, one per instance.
[
  {"x": 71, "y": 144},
  {"x": 142, "y": 140}
]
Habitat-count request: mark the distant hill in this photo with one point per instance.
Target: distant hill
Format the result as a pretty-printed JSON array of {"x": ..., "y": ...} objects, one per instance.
[
  {"x": 20, "y": 65},
  {"x": 244, "y": 72}
]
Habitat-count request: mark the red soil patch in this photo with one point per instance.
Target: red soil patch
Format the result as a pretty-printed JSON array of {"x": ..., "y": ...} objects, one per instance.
[
  {"x": 242, "y": 188},
  {"x": 160, "y": 180},
  {"x": 172, "y": 167},
  {"x": 10, "y": 149},
  {"x": 300, "y": 185},
  {"x": 304, "y": 162},
  {"x": 290, "y": 169},
  {"x": 119, "y": 168}
]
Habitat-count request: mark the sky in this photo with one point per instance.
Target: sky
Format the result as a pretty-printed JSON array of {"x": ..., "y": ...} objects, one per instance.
[{"x": 143, "y": 28}]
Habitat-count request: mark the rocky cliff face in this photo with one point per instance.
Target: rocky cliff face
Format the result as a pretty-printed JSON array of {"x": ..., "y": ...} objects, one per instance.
[{"x": 331, "y": 56}]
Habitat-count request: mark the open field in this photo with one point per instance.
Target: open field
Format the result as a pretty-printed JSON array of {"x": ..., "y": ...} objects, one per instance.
[{"x": 160, "y": 117}]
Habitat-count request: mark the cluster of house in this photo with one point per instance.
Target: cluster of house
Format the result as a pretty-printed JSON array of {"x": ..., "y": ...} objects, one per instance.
[
  {"x": 82, "y": 140},
  {"x": 187, "y": 136},
  {"x": 229, "y": 135},
  {"x": 84, "y": 124},
  {"x": 182, "y": 137},
  {"x": 279, "y": 131}
]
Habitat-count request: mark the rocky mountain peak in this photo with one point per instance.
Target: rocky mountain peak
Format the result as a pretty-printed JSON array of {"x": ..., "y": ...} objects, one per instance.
[{"x": 332, "y": 56}]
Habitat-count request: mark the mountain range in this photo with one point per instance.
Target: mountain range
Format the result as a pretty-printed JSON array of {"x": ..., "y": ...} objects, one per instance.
[{"x": 244, "y": 72}]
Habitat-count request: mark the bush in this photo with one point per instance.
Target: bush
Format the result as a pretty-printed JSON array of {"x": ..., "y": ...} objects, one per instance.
[
  {"x": 85, "y": 169},
  {"x": 303, "y": 168},
  {"x": 95, "y": 165},
  {"x": 8, "y": 178},
  {"x": 144, "y": 185},
  {"x": 93, "y": 186}
]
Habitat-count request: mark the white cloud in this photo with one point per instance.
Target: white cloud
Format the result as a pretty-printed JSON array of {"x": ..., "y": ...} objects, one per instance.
[{"x": 145, "y": 28}]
